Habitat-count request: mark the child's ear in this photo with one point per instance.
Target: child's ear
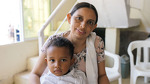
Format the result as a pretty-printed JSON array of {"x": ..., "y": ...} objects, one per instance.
[
  {"x": 72, "y": 61},
  {"x": 46, "y": 59}
]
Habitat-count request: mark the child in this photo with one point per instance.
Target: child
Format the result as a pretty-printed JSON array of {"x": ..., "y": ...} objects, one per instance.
[{"x": 59, "y": 60}]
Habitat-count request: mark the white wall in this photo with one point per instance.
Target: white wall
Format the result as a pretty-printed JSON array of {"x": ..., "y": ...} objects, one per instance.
[
  {"x": 13, "y": 59},
  {"x": 64, "y": 10},
  {"x": 146, "y": 13}
]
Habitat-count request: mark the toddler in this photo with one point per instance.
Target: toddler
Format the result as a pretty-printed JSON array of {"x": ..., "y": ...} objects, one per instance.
[{"x": 59, "y": 60}]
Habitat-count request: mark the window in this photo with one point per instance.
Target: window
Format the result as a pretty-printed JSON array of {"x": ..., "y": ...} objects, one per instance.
[
  {"x": 22, "y": 19},
  {"x": 35, "y": 13},
  {"x": 10, "y": 21}
]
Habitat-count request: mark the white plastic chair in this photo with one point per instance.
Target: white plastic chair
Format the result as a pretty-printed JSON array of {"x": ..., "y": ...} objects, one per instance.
[
  {"x": 140, "y": 68},
  {"x": 114, "y": 72}
]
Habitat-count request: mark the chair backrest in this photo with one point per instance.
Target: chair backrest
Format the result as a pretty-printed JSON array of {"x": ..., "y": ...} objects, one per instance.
[{"x": 142, "y": 52}]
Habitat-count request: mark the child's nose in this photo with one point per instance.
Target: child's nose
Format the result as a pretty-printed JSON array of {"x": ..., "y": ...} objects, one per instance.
[{"x": 57, "y": 65}]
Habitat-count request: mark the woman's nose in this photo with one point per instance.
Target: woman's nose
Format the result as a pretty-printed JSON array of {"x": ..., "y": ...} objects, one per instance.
[{"x": 83, "y": 24}]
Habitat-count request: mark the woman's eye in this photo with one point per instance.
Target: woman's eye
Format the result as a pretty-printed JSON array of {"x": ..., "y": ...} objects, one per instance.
[
  {"x": 90, "y": 22},
  {"x": 78, "y": 18},
  {"x": 63, "y": 60}
]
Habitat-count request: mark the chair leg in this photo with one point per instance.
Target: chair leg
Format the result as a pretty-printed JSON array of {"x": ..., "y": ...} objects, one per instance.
[
  {"x": 120, "y": 80},
  {"x": 133, "y": 78},
  {"x": 146, "y": 79}
]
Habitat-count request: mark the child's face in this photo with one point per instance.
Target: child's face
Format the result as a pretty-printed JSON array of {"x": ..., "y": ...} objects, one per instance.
[{"x": 59, "y": 60}]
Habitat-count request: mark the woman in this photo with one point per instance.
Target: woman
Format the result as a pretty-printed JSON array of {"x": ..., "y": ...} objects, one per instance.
[{"x": 83, "y": 20}]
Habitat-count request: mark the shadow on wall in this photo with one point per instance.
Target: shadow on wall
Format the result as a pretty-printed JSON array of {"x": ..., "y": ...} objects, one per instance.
[
  {"x": 100, "y": 32},
  {"x": 128, "y": 36}
]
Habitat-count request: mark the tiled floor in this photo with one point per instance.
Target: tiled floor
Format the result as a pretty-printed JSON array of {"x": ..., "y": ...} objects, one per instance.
[{"x": 140, "y": 80}]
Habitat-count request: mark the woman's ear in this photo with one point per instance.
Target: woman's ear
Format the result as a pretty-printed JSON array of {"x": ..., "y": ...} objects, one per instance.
[
  {"x": 69, "y": 18},
  {"x": 94, "y": 27}
]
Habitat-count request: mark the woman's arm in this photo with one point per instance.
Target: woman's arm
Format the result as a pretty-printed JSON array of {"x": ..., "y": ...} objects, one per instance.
[
  {"x": 38, "y": 70},
  {"x": 99, "y": 45},
  {"x": 102, "y": 77}
]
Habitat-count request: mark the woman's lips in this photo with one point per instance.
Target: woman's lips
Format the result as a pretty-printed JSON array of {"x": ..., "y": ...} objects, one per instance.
[{"x": 81, "y": 32}]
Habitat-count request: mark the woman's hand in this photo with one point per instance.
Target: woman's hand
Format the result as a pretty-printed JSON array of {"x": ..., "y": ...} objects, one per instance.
[{"x": 38, "y": 70}]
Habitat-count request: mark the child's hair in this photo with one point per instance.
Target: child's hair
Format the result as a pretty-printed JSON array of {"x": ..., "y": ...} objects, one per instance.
[
  {"x": 85, "y": 5},
  {"x": 62, "y": 42}
]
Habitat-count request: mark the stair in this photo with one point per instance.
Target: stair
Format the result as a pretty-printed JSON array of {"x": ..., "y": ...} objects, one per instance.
[
  {"x": 31, "y": 62},
  {"x": 114, "y": 13},
  {"x": 22, "y": 78}
]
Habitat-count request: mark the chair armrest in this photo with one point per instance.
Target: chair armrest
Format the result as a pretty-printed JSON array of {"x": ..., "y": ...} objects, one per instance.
[{"x": 116, "y": 60}]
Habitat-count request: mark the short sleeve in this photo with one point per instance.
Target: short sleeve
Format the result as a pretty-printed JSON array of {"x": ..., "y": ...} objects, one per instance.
[
  {"x": 99, "y": 47},
  {"x": 46, "y": 44}
]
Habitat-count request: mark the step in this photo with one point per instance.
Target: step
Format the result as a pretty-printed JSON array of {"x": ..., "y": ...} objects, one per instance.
[
  {"x": 31, "y": 62},
  {"x": 22, "y": 78},
  {"x": 121, "y": 18}
]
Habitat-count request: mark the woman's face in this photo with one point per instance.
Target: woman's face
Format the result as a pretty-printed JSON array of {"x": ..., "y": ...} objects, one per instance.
[{"x": 82, "y": 22}]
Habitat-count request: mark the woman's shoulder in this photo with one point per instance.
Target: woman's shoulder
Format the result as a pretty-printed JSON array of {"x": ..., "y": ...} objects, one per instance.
[
  {"x": 55, "y": 35},
  {"x": 62, "y": 34},
  {"x": 98, "y": 38},
  {"x": 98, "y": 41},
  {"x": 99, "y": 47},
  {"x": 52, "y": 37}
]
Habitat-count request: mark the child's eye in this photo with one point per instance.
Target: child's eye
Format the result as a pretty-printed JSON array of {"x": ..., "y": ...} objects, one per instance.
[
  {"x": 52, "y": 60},
  {"x": 63, "y": 60}
]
